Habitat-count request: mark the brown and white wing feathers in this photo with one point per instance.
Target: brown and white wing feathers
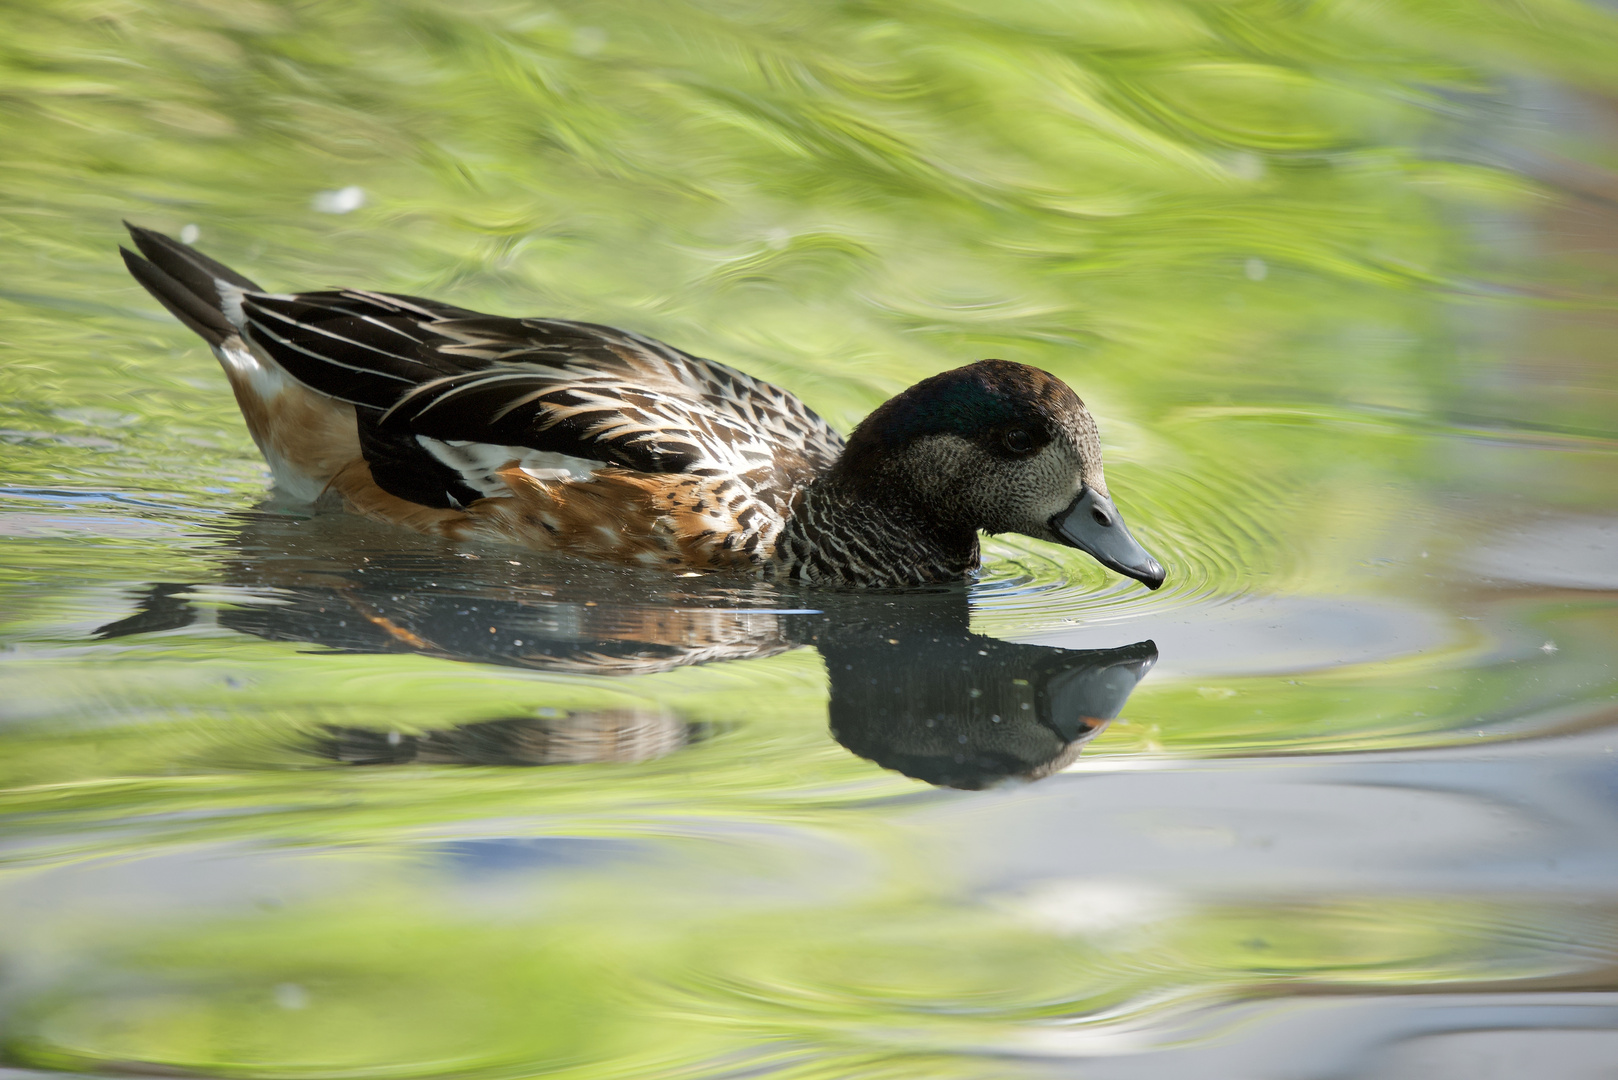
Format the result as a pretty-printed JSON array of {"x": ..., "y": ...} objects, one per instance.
[{"x": 443, "y": 379}]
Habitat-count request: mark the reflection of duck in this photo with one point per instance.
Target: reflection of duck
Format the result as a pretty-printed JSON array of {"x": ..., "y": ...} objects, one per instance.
[
  {"x": 912, "y": 688},
  {"x": 572, "y": 738},
  {"x": 581, "y": 438}
]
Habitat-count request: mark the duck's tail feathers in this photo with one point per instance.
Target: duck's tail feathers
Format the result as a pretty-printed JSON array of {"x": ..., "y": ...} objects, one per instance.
[{"x": 187, "y": 282}]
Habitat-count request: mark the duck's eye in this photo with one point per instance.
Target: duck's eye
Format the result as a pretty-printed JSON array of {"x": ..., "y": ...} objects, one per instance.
[{"x": 1018, "y": 441}]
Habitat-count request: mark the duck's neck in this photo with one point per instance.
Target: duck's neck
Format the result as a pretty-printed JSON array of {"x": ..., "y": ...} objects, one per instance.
[{"x": 839, "y": 533}]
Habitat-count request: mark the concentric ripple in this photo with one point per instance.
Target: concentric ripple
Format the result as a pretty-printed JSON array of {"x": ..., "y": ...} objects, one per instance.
[{"x": 1209, "y": 532}]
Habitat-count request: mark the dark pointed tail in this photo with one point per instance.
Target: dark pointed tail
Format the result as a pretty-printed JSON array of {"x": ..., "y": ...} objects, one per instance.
[{"x": 184, "y": 281}]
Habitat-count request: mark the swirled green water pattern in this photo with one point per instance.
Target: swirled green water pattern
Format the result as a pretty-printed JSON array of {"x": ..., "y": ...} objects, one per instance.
[{"x": 294, "y": 796}]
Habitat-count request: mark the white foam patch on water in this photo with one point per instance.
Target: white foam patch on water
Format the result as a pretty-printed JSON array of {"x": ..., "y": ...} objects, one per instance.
[{"x": 1267, "y": 635}]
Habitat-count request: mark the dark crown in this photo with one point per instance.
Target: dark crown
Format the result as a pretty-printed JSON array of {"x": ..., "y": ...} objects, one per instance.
[{"x": 981, "y": 399}]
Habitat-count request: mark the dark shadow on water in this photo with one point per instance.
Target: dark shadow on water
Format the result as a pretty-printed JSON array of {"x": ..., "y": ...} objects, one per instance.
[{"x": 912, "y": 687}]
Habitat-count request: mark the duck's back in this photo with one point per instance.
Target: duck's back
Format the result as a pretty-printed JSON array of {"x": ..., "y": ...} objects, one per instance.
[
  {"x": 421, "y": 374},
  {"x": 554, "y": 433}
]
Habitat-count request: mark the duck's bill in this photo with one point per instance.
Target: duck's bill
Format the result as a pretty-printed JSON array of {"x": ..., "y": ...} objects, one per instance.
[{"x": 1093, "y": 525}]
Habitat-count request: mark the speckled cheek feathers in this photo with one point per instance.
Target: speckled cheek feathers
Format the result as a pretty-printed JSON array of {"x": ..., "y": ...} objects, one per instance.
[{"x": 957, "y": 480}]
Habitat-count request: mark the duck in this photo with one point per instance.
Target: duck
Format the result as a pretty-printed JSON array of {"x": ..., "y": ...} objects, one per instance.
[{"x": 606, "y": 444}]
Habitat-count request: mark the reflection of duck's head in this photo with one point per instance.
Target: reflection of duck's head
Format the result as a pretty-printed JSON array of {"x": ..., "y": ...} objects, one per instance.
[
  {"x": 998, "y": 447},
  {"x": 970, "y": 711}
]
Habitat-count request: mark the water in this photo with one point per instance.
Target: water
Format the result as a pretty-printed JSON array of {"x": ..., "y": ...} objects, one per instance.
[{"x": 294, "y": 796}]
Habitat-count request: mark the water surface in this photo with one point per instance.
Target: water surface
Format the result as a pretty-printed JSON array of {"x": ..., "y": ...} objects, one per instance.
[{"x": 295, "y": 795}]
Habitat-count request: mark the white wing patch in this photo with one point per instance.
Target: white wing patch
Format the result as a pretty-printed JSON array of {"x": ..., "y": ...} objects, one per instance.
[{"x": 479, "y": 462}]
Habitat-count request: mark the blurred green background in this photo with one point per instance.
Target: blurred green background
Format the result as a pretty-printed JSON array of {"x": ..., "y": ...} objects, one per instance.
[{"x": 1338, "y": 278}]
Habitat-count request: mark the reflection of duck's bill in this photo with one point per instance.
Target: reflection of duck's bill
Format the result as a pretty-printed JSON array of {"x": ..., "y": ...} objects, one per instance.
[
  {"x": 1093, "y": 525},
  {"x": 1083, "y": 700}
]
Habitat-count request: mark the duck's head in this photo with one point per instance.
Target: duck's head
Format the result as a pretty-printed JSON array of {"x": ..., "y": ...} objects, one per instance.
[{"x": 1001, "y": 447}]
